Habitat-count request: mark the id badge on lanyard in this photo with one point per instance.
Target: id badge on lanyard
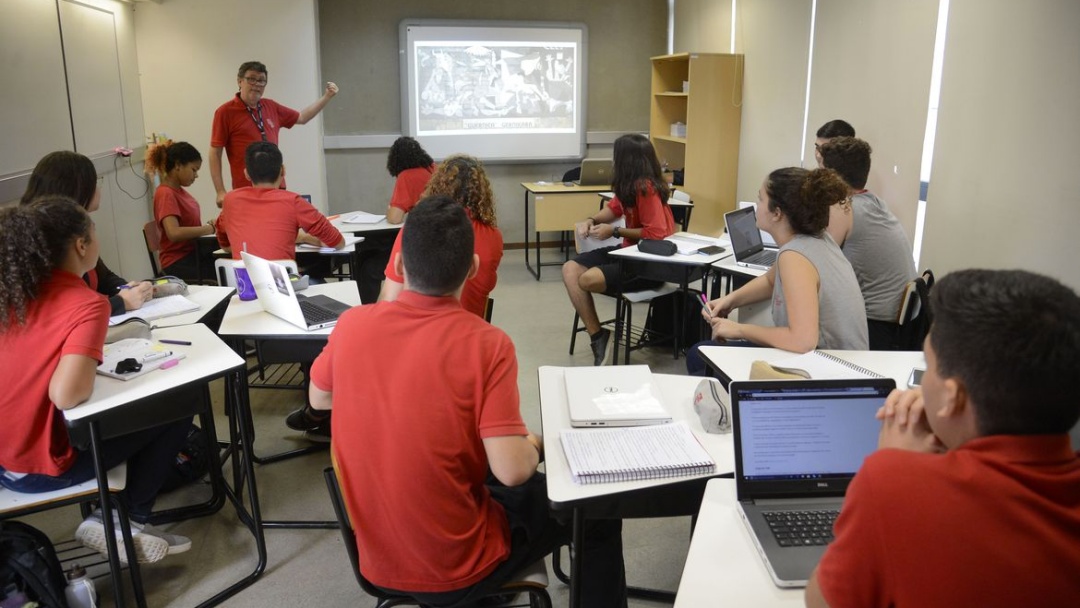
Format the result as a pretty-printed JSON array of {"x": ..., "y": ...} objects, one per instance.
[{"x": 258, "y": 119}]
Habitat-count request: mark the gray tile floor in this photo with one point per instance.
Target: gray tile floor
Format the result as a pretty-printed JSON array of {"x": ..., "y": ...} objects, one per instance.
[{"x": 310, "y": 567}]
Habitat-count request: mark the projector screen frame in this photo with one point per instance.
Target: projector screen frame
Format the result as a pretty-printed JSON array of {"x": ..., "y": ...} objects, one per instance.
[{"x": 513, "y": 147}]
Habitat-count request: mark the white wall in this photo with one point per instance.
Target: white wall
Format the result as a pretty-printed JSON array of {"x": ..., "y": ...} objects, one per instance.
[{"x": 189, "y": 52}]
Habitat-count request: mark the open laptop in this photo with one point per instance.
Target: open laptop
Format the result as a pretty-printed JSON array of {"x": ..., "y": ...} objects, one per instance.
[
  {"x": 797, "y": 446},
  {"x": 618, "y": 395},
  {"x": 595, "y": 172},
  {"x": 746, "y": 243},
  {"x": 766, "y": 238},
  {"x": 275, "y": 294}
]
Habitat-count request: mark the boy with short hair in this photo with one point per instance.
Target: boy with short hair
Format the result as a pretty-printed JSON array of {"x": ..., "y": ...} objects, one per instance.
[
  {"x": 973, "y": 497},
  {"x": 419, "y": 436}
]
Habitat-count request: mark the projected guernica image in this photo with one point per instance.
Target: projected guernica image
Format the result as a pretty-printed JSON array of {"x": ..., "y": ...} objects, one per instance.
[{"x": 495, "y": 88}]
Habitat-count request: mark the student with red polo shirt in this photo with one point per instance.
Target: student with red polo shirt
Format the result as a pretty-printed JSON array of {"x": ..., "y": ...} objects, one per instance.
[
  {"x": 52, "y": 330},
  {"x": 411, "y": 167},
  {"x": 175, "y": 210},
  {"x": 266, "y": 219},
  {"x": 72, "y": 175},
  {"x": 463, "y": 179},
  {"x": 973, "y": 497},
  {"x": 249, "y": 117},
  {"x": 436, "y": 465},
  {"x": 641, "y": 195}
]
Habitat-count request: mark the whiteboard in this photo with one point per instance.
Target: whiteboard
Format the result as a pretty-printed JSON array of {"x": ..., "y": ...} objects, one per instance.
[
  {"x": 35, "y": 118},
  {"x": 93, "y": 76}
]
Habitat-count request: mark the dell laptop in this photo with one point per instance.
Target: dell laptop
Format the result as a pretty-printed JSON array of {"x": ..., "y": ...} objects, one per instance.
[
  {"x": 617, "y": 395},
  {"x": 798, "y": 444},
  {"x": 275, "y": 294},
  {"x": 595, "y": 172},
  {"x": 746, "y": 243}
]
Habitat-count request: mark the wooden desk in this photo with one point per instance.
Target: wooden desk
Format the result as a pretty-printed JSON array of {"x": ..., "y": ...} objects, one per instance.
[
  {"x": 248, "y": 321},
  {"x": 723, "y": 567},
  {"x": 556, "y": 207},
  {"x": 117, "y": 407},
  {"x": 644, "y": 498}
]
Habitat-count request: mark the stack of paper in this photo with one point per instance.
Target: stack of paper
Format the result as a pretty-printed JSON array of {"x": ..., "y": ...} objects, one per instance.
[{"x": 363, "y": 217}]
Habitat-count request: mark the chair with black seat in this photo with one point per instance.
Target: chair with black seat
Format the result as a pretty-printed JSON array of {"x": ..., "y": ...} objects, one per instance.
[
  {"x": 532, "y": 582},
  {"x": 914, "y": 315}
]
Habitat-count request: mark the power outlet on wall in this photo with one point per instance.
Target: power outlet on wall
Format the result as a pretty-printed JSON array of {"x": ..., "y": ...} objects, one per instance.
[{"x": 122, "y": 151}]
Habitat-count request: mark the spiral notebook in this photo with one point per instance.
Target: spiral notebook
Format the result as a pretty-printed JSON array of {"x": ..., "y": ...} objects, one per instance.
[
  {"x": 816, "y": 365},
  {"x": 633, "y": 453}
]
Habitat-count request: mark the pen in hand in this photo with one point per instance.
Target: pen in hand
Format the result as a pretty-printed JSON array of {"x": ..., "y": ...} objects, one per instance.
[{"x": 705, "y": 304}]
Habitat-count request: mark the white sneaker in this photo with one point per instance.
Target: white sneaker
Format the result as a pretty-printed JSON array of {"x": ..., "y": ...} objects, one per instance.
[
  {"x": 150, "y": 546},
  {"x": 177, "y": 543}
]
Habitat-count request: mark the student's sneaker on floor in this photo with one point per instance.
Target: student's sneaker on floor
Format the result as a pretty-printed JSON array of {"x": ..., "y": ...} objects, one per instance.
[
  {"x": 599, "y": 346},
  {"x": 151, "y": 544},
  {"x": 307, "y": 419},
  {"x": 320, "y": 434}
]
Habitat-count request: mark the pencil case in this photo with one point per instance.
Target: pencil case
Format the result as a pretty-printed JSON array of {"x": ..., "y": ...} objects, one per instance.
[{"x": 657, "y": 247}]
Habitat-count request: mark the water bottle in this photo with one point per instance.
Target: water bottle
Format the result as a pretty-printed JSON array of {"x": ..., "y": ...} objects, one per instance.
[{"x": 80, "y": 590}]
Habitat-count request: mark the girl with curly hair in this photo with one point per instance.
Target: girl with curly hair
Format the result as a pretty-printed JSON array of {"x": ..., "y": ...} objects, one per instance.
[
  {"x": 176, "y": 211},
  {"x": 52, "y": 326},
  {"x": 411, "y": 167},
  {"x": 816, "y": 298}
]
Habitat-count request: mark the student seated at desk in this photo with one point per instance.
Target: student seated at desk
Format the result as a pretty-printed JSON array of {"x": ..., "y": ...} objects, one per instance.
[
  {"x": 829, "y": 130},
  {"x": 641, "y": 196},
  {"x": 462, "y": 178},
  {"x": 437, "y": 468},
  {"x": 816, "y": 302},
  {"x": 176, "y": 211},
  {"x": 411, "y": 167},
  {"x": 973, "y": 497},
  {"x": 52, "y": 330},
  {"x": 73, "y": 175},
  {"x": 871, "y": 238},
  {"x": 265, "y": 219}
]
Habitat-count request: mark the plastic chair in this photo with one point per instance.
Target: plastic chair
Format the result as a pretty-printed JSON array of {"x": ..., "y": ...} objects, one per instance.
[
  {"x": 533, "y": 581},
  {"x": 914, "y": 315},
  {"x": 681, "y": 207},
  {"x": 17, "y": 504},
  {"x": 152, "y": 237}
]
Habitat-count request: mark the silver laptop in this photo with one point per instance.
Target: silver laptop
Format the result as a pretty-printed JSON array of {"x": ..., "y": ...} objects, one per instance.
[
  {"x": 595, "y": 172},
  {"x": 766, "y": 238},
  {"x": 797, "y": 446},
  {"x": 275, "y": 294},
  {"x": 746, "y": 243},
  {"x": 618, "y": 395}
]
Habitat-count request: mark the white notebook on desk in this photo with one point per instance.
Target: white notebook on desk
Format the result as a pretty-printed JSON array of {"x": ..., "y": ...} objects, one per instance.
[
  {"x": 362, "y": 217},
  {"x": 629, "y": 454},
  {"x": 158, "y": 308},
  {"x": 817, "y": 365}
]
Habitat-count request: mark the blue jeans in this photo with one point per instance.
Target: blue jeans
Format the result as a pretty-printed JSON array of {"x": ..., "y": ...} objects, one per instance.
[{"x": 149, "y": 454}]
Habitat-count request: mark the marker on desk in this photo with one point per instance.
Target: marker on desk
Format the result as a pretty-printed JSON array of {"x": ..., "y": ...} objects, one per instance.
[
  {"x": 178, "y": 342},
  {"x": 155, "y": 356},
  {"x": 170, "y": 363}
]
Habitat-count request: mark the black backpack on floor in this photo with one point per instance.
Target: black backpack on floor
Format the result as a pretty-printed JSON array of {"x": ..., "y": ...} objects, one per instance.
[{"x": 28, "y": 563}]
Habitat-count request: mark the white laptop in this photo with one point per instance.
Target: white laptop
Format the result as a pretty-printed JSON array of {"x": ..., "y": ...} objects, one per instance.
[
  {"x": 618, "y": 395},
  {"x": 595, "y": 172},
  {"x": 765, "y": 236},
  {"x": 798, "y": 444},
  {"x": 275, "y": 294},
  {"x": 746, "y": 241}
]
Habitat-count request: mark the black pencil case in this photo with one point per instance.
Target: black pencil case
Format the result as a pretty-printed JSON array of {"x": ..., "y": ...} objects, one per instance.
[{"x": 657, "y": 247}]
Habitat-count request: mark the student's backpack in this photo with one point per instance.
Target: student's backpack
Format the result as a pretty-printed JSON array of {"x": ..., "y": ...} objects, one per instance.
[{"x": 28, "y": 563}]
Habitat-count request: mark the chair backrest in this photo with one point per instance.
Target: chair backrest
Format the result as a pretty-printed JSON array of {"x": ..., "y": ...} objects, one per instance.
[
  {"x": 914, "y": 316},
  {"x": 152, "y": 237},
  {"x": 489, "y": 308},
  {"x": 223, "y": 270},
  {"x": 572, "y": 174},
  {"x": 681, "y": 207}
]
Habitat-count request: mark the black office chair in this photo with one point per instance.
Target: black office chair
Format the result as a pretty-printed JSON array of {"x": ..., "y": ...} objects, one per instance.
[
  {"x": 536, "y": 590},
  {"x": 914, "y": 316}
]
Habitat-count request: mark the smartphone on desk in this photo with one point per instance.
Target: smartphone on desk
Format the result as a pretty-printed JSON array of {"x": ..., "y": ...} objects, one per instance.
[
  {"x": 915, "y": 379},
  {"x": 712, "y": 250}
]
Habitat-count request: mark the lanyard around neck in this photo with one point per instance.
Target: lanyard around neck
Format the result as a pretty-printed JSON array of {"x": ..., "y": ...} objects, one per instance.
[{"x": 257, "y": 118}]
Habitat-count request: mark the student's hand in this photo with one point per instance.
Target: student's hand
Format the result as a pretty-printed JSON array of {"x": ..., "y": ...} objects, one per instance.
[
  {"x": 220, "y": 199},
  {"x": 303, "y": 238},
  {"x": 212, "y": 223},
  {"x": 904, "y": 425},
  {"x": 136, "y": 293},
  {"x": 602, "y": 232},
  {"x": 331, "y": 89},
  {"x": 724, "y": 330},
  {"x": 721, "y": 307},
  {"x": 585, "y": 227}
]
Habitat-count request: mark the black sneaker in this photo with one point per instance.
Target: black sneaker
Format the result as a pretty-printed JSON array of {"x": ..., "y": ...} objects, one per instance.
[
  {"x": 319, "y": 434},
  {"x": 307, "y": 419},
  {"x": 599, "y": 346}
]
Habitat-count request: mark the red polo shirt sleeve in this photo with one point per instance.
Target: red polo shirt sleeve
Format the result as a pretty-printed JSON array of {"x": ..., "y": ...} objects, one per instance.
[
  {"x": 315, "y": 223},
  {"x": 391, "y": 274},
  {"x": 409, "y": 186}
]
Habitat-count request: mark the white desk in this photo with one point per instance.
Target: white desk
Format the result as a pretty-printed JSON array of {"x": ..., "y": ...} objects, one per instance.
[
  {"x": 346, "y": 227},
  {"x": 733, "y": 362},
  {"x": 723, "y": 567},
  {"x": 644, "y": 498},
  {"x": 207, "y": 297},
  {"x": 117, "y": 407}
]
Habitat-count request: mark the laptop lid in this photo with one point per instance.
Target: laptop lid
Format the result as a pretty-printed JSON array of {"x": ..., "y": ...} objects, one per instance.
[
  {"x": 745, "y": 236},
  {"x": 275, "y": 291},
  {"x": 596, "y": 172},
  {"x": 766, "y": 238},
  {"x": 803, "y": 438},
  {"x": 620, "y": 395}
]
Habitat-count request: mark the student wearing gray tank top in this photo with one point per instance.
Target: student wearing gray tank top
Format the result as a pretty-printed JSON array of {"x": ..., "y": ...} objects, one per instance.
[{"x": 816, "y": 302}]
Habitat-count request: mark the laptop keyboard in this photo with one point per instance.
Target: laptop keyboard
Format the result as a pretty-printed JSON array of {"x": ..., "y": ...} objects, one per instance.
[
  {"x": 801, "y": 528},
  {"x": 315, "y": 314},
  {"x": 766, "y": 257}
]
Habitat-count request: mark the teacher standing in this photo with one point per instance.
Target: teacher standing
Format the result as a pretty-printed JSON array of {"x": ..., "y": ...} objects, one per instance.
[{"x": 247, "y": 118}]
